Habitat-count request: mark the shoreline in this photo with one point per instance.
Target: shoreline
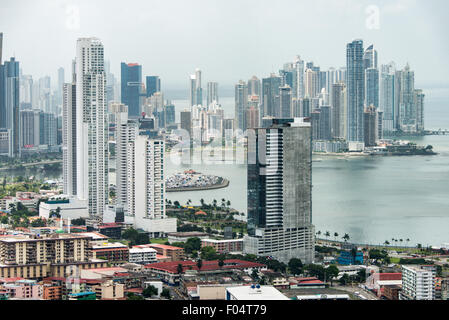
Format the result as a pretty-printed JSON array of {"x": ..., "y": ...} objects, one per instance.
[{"x": 223, "y": 184}]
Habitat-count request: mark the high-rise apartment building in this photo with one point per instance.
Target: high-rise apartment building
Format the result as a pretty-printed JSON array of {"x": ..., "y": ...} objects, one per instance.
[
  {"x": 212, "y": 93},
  {"x": 279, "y": 191},
  {"x": 355, "y": 89},
  {"x": 386, "y": 97},
  {"x": 254, "y": 86},
  {"x": 241, "y": 104},
  {"x": 146, "y": 186},
  {"x": 196, "y": 91},
  {"x": 270, "y": 95},
  {"x": 91, "y": 126},
  {"x": 418, "y": 282},
  {"x": 339, "y": 110}
]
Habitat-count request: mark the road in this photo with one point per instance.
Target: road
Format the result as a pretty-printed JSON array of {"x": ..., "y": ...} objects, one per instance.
[{"x": 365, "y": 293}]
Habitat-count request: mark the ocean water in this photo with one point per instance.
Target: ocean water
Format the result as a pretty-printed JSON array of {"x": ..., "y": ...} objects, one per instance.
[{"x": 373, "y": 199}]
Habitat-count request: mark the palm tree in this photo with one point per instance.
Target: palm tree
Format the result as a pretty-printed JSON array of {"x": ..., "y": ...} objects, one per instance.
[
  {"x": 318, "y": 233},
  {"x": 228, "y": 203},
  {"x": 346, "y": 237},
  {"x": 327, "y": 234},
  {"x": 386, "y": 242},
  {"x": 336, "y": 235},
  {"x": 202, "y": 202},
  {"x": 223, "y": 202},
  {"x": 408, "y": 240}
]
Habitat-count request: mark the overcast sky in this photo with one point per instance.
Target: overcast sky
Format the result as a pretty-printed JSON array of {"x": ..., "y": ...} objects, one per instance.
[{"x": 227, "y": 39}]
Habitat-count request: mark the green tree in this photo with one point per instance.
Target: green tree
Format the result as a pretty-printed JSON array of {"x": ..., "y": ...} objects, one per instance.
[
  {"x": 331, "y": 272},
  {"x": 295, "y": 265},
  {"x": 179, "y": 269},
  {"x": 208, "y": 253},
  {"x": 346, "y": 237},
  {"x": 327, "y": 235},
  {"x": 149, "y": 291},
  {"x": 166, "y": 293},
  {"x": 336, "y": 235},
  {"x": 344, "y": 280},
  {"x": 192, "y": 244},
  {"x": 199, "y": 264},
  {"x": 132, "y": 296}
]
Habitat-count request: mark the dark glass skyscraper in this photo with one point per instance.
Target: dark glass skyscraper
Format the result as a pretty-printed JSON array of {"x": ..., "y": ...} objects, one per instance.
[
  {"x": 355, "y": 78},
  {"x": 9, "y": 101},
  {"x": 131, "y": 77},
  {"x": 279, "y": 191},
  {"x": 153, "y": 84}
]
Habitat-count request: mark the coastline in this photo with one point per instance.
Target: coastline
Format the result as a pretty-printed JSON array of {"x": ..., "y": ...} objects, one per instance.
[{"x": 223, "y": 184}]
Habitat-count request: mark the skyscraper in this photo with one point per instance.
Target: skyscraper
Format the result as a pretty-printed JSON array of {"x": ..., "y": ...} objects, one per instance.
[
  {"x": 370, "y": 127},
  {"x": 196, "y": 91},
  {"x": 370, "y": 58},
  {"x": 355, "y": 84},
  {"x": 126, "y": 132},
  {"x": 386, "y": 96},
  {"x": 407, "y": 110},
  {"x": 212, "y": 92},
  {"x": 419, "y": 105},
  {"x": 254, "y": 86},
  {"x": 279, "y": 191},
  {"x": 372, "y": 87},
  {"x": 241, "y": 104},
  {"x": 131, "y": 84},
  {"x": 339, "y": 110},
  {"x": 10, "y": 102},
  {"x": 91, "y": 126},
  {"x": 69, "y": 135},
  {"x": 270, "y": 96},
  {"x": 285, "y": 96},
  {"x": 153, "y": 85},
  {"x": 146, "y": 186}
]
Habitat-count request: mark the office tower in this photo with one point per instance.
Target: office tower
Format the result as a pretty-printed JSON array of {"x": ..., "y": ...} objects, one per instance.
[
  {"x": 387, "y": 96},
  {"x": 315, "y": 124},
  {"x": 169, "y": 114},
  {"x": 286, "y": 75},
  {"x": 305, "y": 107},
  {"x": 69, "y": 135},
  {"x": 27, "y": 139},
  {"x": 298, "y": 78},
  {"x": 419, "y": 105},
  {"x": 196, "y": 91},
  {"x": 92, "y": 126},
  {"x": 372, "y": 87},
  {"x": 254, "y": 86},
  {"x": 339, "y": 110},
  {"x": 26, "y": 92},
  {"x": 418, "y": 282},
  {"x": 252, "y": 117},
  {"x": 285, "y": 96},
  {"x": 131, "y": 86},
  {"x": 279, "y": 192},
  {"x": 325, "y": 123},
  {"x": 370, "y": 58},
  {"x": 270, "y": 95},
  {"x": 146, "y": 186},
  {"x": 355, "y": 88},
  {"x": 61, "y": 81},
  {"x": 331, "y": 78},
  {"x": 241, "y": 103},
  {"x": 310, "y": 83},
  {"x": 153, "y": 84},
  {"x": 370, "y": 126},
  {"x": 407, "y": 110},
  {"x": 340, "y": 75},
  {"x": 10, "y": 102},
  {"x": 212, "y": 92},
  {"x": 186, "y": 121},
  {"x": 48, "y": 129},
  {"x": 126, "y": 132}
]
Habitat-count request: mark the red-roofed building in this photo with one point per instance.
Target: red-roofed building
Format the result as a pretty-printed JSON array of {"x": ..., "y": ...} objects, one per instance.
[
  {"x": 306, "y": 282},
  {"x": 377, "y": 281},
  {"x": 168, "y": 271}
]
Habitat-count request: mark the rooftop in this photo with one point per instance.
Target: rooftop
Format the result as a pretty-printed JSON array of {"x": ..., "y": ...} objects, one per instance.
[
  {"x": 172, "y": 266},
  {"x": 254, "y": 293}
]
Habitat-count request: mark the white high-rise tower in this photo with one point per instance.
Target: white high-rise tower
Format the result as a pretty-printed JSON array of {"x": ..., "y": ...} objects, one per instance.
[{"x": 92, "y": 126}]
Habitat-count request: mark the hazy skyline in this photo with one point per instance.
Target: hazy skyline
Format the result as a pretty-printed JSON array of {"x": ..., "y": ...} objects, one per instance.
[{"x": 227, "y": 40}]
